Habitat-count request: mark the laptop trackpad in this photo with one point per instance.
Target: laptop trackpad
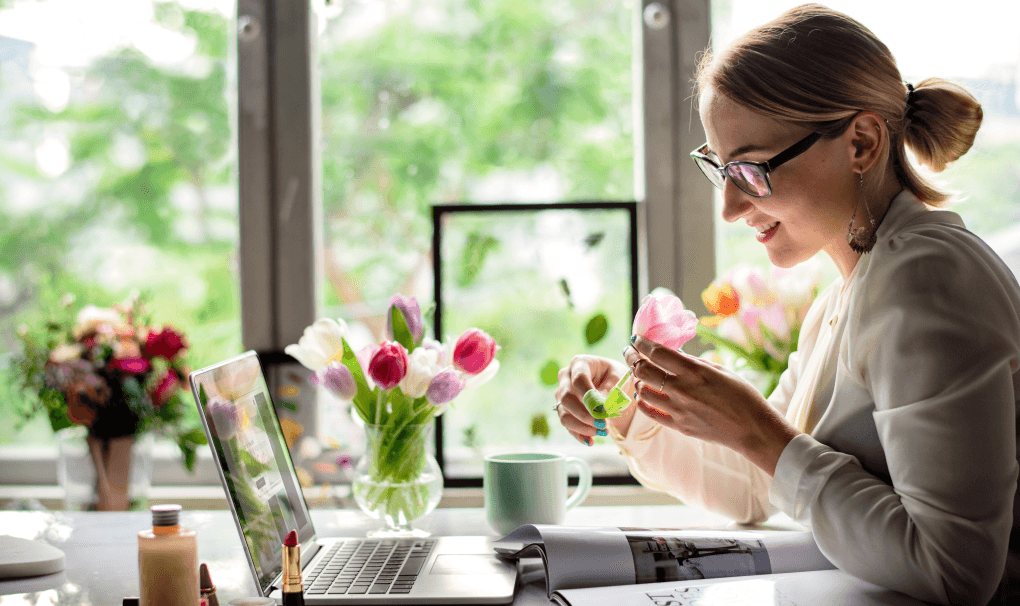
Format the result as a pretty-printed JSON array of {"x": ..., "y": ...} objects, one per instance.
[{"x": 455, "y": 563}]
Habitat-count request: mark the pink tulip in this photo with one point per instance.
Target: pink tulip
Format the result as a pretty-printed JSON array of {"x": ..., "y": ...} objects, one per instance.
[
  {"x": 411, "y": 311},
  {"x": 445, "y": 386},
  {"x": 388, "y": 365},
  {"x": 474, "y": 350},
  {"x": 338, "y": 379},
  {"x": 663, "y": 319}
]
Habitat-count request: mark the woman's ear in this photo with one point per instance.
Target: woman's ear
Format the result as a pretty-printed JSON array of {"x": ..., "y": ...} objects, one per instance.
[{"x": 867, "y": 136}]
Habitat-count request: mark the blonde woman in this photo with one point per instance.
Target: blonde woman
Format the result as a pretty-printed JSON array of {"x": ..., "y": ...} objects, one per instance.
[{"x": 893, "y": 435}]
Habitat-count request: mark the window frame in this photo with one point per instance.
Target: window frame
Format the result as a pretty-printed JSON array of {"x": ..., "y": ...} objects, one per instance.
[{"x": 279, "y": 175}]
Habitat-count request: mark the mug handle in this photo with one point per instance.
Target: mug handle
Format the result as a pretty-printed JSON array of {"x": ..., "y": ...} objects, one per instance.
[{"x": 583, "y": 484}]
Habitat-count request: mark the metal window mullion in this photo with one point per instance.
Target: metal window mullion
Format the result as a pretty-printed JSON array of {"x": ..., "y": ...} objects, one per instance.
[
  {"x": 678, "y": 201},
  {"x": 255, "y": 176}
]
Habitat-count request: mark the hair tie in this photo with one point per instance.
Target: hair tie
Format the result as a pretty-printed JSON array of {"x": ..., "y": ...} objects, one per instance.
[{"x": 911, "y": 96}]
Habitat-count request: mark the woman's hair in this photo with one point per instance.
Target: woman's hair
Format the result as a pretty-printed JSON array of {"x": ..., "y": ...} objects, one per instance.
[{"x": 819, "y": 67}]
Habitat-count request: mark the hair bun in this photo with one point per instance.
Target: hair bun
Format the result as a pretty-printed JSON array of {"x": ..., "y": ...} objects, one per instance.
[{"x": 941, "y": 120}]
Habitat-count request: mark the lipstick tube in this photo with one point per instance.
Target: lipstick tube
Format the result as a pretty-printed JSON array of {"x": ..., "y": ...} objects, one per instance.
[{"x": 293, "y": 590}]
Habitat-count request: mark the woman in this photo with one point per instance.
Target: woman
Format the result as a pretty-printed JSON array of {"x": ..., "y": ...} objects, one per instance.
[{"x": 893, "y": 435}]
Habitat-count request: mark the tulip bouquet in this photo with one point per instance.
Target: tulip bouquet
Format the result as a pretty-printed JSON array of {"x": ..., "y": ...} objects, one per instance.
[
  {"x": 397, "y": 387},
  {"x": 757, "y": 317},
  {"x": 661, "y": 318}
]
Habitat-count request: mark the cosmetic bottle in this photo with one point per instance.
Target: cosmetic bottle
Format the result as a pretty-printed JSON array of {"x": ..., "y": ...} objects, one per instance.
[{"x": 168, "y": 560}]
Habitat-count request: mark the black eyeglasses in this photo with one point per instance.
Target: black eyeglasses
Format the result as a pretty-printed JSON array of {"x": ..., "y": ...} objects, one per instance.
[{"x": 751, "y": 177}]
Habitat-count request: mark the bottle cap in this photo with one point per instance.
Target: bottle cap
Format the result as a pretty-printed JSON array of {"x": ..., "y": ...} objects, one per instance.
[{"x": 165, "y": 515}]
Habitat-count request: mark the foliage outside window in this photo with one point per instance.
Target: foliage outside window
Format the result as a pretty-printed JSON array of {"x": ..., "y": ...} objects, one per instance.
[{"x": 117, "y": 170}]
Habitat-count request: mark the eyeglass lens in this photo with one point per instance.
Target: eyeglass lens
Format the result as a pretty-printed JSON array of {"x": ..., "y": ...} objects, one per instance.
[{"x": 749, "y": 178}]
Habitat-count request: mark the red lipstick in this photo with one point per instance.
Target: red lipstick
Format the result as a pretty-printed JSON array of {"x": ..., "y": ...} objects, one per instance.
[{"x": 292, "y": 586}]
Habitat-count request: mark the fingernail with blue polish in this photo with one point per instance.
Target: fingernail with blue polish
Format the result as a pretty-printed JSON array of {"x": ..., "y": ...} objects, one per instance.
[
  {"x": 634, "y": 395},
  {"x": 633, "y": 338},
  {"x": 600, "y": 408},
  {"x": 588, "y": 441},
  {"x": 600, "y": 432},
  {"x": 624, "y": 352},
  {"x": 600, "y": 424}
]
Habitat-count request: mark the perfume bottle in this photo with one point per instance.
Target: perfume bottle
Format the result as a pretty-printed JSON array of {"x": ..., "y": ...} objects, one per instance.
[{"x": 168, "y": 560}]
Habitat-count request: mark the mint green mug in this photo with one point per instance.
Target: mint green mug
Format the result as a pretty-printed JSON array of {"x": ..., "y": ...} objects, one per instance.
[{"x": 530, "y": 488}]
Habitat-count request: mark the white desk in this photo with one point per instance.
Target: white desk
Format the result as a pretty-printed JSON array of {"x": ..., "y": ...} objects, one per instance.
[{"x": 102, "y": 556}]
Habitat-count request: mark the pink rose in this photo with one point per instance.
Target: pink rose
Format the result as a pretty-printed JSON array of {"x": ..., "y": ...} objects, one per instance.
[
  {"x": 474, "y": 350},
  {"x": 167, "y": 386},
  {"x": 132, "y": 366},
  {"x": 411, "y": 311},
  {"x": 663, "y": 319},
  {"x": 167, "y": 343},
  {"x": 389, "y": 365}
]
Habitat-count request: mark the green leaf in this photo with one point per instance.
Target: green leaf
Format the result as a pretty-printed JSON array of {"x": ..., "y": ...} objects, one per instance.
[
  {"x": 550, "y": 373},
  {"x": 539, "y": 425},
  {"x": 364, "y": 399},
  {"x": 473, "y": 256},
  {"x": 596, "y": 329},
  {"x": 401, "y": 333},
  {"x": 291, "y": 406}
]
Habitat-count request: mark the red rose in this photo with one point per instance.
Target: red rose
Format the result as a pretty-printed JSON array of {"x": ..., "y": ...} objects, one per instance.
[
  {"x": 389, "y": 365},
  {"x": 132, "y": 366},
  {"x": 166, "y": 388},
  {"x": 167, "y": 343},
  {"x": 473, "y": 351}
]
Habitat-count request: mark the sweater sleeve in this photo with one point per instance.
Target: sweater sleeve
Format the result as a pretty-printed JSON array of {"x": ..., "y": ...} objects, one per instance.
[
  {"x": 700, "y": 473},
  {"x": 937, "y": 345}
]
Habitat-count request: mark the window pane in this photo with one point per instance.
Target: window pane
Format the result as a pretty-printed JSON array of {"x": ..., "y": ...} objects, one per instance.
[
  {"x": 117, "y": 169},
  {"x": 980, "y": 52},
  {"x": 547, "y": 285},
  {"x": 454, "y": 101}
]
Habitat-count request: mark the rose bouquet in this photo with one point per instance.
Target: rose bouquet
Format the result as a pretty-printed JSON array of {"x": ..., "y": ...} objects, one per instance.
[
  {"x": 113, "y": 372},
  {"x": 397, "y": 387},
  {"x": 757, "y": 318}
]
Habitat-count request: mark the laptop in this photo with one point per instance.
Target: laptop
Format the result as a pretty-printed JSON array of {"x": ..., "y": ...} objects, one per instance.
[{"x": 257, "y": 473}]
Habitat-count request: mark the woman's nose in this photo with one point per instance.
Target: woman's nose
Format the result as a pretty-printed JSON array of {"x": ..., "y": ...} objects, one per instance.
[{"x": 736, "y": 203}]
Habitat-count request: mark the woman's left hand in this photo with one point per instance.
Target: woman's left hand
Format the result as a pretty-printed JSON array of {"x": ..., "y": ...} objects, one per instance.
[{"x": 705, "y": 400}]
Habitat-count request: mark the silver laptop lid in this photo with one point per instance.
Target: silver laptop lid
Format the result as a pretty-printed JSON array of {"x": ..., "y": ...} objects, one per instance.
[{"x": 253, "y": 461}]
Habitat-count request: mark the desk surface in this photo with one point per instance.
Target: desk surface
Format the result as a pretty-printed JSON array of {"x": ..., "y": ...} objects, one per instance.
[{"x": 102, "y": 564}]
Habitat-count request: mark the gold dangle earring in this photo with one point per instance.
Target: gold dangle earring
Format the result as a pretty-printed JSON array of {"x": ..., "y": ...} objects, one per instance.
[{"x": 861, "y": 239}]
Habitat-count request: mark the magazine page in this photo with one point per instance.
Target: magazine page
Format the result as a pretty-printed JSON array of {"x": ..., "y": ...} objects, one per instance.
[
  {"x": 808, "y": 588},
  {"x": 578, "y": 557},
  {"x": 574, "y": 556}
]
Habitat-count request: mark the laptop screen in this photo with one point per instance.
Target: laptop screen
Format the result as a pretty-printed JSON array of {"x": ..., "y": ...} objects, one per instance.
[{"x": 255, "y": 466}]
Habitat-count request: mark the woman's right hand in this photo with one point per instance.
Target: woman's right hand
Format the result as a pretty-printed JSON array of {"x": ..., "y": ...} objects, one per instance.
[{"x": 587, "y": 372}]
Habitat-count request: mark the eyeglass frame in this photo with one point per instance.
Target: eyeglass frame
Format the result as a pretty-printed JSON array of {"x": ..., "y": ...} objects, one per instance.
[{"x": 765, "y": 167}]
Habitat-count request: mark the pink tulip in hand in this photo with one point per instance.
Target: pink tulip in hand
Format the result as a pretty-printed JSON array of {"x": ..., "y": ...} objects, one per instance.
[
  {"x": 388, "y": 365},
  {"x": 663, "y": 319},
  {"x": 474, "y": 350}
]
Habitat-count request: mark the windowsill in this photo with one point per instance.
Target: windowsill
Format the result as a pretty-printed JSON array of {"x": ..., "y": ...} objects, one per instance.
[{"x": 212, "y": 497}]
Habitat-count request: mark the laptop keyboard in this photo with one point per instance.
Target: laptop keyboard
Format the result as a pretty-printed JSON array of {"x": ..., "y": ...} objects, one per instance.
[{"x": 369, "y": 566}]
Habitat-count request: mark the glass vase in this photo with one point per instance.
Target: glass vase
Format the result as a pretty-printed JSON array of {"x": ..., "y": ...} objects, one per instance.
[
  {"x": 398, "y": 479},
  {"x": 122, "y": 485}
]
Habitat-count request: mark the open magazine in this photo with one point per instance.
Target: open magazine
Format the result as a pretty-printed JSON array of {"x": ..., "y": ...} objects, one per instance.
[{"x": 676, "y": 567}]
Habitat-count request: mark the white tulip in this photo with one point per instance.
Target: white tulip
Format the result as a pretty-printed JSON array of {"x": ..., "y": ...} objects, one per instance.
[
  {"x": 321, "y": 343},
  {"x": 483, "y": 377},
  {"x": 422, "y": 366}
]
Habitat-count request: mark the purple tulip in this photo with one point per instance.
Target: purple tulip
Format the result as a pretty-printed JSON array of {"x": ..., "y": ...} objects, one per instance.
[
  {"x": 338, "y": 379},
  {"x": 409, "y": 307},
  {"x": 444, "y": 386}
]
